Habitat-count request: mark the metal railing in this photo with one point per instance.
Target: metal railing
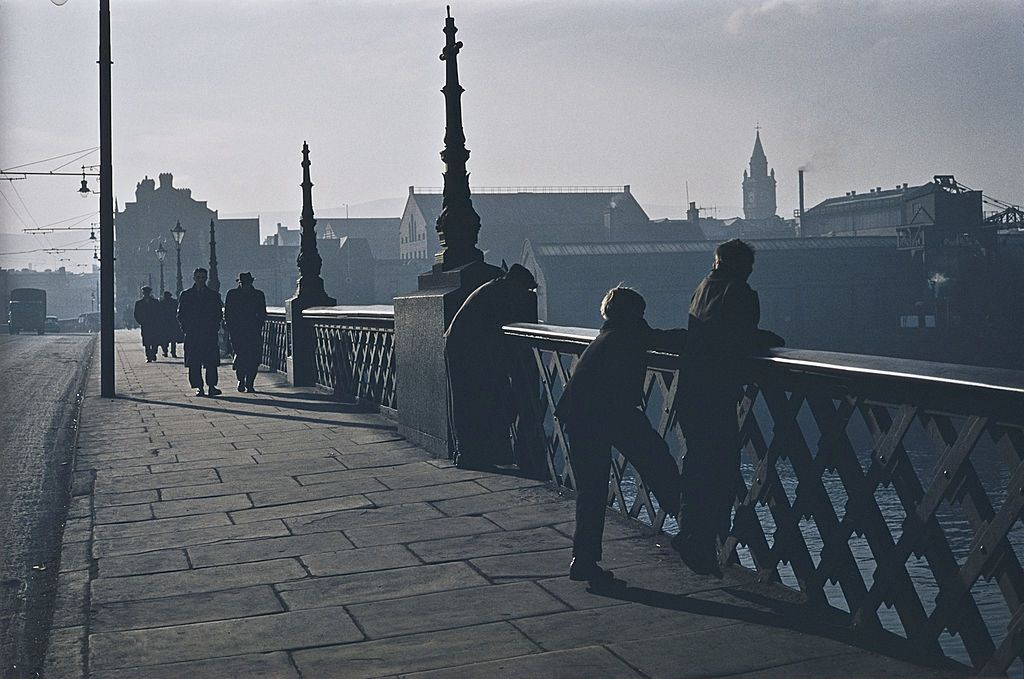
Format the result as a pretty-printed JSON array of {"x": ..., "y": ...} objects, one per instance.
[
  {"x": 276, "y": 340},
  {"x": 890, "y": 489},
  {"x": 355, "y": 351}
]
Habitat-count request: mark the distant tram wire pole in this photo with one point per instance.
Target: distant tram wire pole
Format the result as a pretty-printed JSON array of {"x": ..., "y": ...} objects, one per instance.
[{"x": 106, "y": 210}]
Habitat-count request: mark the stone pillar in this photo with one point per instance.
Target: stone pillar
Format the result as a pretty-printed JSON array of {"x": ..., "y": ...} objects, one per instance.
[{"x": 309, "y": 292}]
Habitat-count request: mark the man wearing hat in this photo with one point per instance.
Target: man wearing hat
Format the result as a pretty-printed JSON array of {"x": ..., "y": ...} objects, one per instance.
[
  {"x": 245, "y": 309},
  {"x": 147, "y": 315},
  {"x": 481, "y": 405}
]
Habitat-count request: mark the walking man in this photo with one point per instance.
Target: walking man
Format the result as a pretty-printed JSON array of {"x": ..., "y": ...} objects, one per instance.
[
  {"x": 170, "y": 333},
  {"x": 200, "y": 315},
  {"x": 245, "y": 309},
  {"x": 723, "y": 332},
  {"x": 147, "y": 315}
]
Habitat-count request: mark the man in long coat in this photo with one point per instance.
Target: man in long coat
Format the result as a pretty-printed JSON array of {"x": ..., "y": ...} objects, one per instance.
[
  {"x": 147, "y": 315},
  {"x": 170, "y": 333},
  {"x": 245, "y": 309},
  {"x": 481, "y": 405},
  {"x": 200, "y": 315},
  {"x": 723, "y": 333}
]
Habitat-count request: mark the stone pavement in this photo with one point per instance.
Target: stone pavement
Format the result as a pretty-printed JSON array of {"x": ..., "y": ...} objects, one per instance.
[{"x": 282, "y": 534}]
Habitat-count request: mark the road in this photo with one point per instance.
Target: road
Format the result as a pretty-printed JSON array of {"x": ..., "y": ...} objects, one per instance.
[{"x": 39, "y": 402}]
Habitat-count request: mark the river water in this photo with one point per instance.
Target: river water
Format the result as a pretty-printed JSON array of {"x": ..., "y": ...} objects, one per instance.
[{"x": 992, "y": 472}]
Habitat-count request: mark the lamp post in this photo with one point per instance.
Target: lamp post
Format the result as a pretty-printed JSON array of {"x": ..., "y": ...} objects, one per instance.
[
  {"x": 161, "y": 252},
  {"x": 179, "y": 235},
  {"x": 106, "y": 210}
]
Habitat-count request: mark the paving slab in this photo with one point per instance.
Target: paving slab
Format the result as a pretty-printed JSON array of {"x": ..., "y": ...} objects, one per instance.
[
  {"x": 156, "y": 585},
  {"x": 277, "y": 632},
  {"x": 377, "y": 585},
  {"x": 257, "y": 666},
  {"x": 161, "y": 561},
  {"x": 591, "y": 661},
  {"x": 183, "y": 538},
  {"x": 413, "y": 653},
  {"x": 458, "y": 608},
  {"x": 358, "y": 518},
  {"x": 265, "y": 549},
  {"x": 488, "y": 544},
  {"x": 428, "y": 529},
  {"x": 185, "y": 608},
  {"x": 358, "y": 560}
]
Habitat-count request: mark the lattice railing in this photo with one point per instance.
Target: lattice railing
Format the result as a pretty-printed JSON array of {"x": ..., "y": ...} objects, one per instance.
[
  {"x": 276, "y": 340},
  {"x": 892, "y": 489},
  {"x": 355, "y": 351}
]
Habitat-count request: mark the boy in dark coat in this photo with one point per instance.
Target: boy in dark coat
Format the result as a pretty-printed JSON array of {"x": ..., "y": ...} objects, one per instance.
[
  {"x": 601, "y": 408},
  {"x": 200, "y": 315},
  {"x": 723, "y": 333}
]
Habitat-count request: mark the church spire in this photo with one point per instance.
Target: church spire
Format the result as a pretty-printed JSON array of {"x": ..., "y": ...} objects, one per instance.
[{"x": 758, "y": 184}]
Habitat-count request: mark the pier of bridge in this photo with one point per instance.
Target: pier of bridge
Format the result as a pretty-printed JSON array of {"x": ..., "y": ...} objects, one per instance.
[{"x": 287, "y": 534}]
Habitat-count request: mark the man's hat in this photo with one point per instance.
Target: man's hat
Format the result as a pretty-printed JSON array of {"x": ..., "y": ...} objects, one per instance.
[
  {"x": 522, "y": 275},
  {"x": 244, "y": 276},
  {"x": 146, "y": 288}
]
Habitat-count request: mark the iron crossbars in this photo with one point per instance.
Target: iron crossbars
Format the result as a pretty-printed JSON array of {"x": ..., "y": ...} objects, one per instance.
[
  {"x": 892, "y": 489},
  {"x": 276, "y": 340},
  {"x": 355, "y": 351}
]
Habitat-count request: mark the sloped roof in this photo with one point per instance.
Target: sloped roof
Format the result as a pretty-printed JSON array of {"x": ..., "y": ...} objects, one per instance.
[
  {"x": 639, "y": 248},
  {"x": 531, "y": 209}
]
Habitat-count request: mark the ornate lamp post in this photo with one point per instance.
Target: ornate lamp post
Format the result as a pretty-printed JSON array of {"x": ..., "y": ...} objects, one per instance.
[
  {"x": 458, "y": 225},
  {"x": 179, "y": 235},
  {"x": 161, "y": 252},
  {"x": 214, "y": 282},
  {"x": 310, "y": 289}
]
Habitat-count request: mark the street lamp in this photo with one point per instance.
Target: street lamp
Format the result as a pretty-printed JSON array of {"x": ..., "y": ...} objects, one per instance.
[
  {"x": 106, "y": 208},
  {"x": 179, "y": 235},
  {"x": 161, "y": 252}
]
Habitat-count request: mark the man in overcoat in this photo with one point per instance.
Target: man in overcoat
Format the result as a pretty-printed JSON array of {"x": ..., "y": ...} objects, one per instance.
[
  {"x": 245, "y": 309},
  {"x": 147, "y": 315},
  {"x": 170, "y": 333},
  {"x": 481, "y": 405},
  {"x": 723, "y": 333},
  {"x": 200, "y": 316}
]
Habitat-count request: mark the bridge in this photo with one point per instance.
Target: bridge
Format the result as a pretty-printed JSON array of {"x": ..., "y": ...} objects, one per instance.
[{"x": 295, "y": 532}]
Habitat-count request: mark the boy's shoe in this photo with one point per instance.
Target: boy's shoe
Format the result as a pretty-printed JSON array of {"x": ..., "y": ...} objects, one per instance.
[
  {"x": 241, "y": 386},
  {"x": 214, "y": 391},
  {"x": 200, "y": 392},
  {"x": 585, "y": 569},
  {"x": 701, "y": 559}
]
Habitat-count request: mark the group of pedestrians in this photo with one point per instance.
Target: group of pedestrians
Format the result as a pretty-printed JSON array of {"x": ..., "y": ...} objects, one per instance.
[
  {"x": 197, "y": 318},
  {"x": 159, "y": 323},
  {"x": 601, "y": 405}
]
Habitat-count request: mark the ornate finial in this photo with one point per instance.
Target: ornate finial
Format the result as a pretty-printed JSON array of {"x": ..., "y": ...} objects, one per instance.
[
  {"x": 458, "y": 224},
  {"x": 310, "y": 285},
  {"x": 214, "y": 281}
]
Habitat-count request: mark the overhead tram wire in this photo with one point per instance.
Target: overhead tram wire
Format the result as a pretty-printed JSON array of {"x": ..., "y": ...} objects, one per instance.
[{"x": 83, "y": 153}]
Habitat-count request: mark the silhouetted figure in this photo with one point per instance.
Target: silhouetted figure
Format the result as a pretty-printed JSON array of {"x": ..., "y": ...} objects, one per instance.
[
  {"x": 245, "y": 309},
  {"x": 199, "y": 315},
  {"x": 170, "y": 333},
  {"x": 147, "y": 315},
  {"x": 480, "y": 396},
  {"x": 601, "y": 407},
  {"x": 724, "y": 313}
]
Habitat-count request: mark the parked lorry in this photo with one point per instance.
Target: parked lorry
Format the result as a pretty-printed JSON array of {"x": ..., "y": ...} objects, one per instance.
[{"x": 27, "y": 310}]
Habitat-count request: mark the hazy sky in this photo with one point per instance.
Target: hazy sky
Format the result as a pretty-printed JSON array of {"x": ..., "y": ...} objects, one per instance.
[{"x": 651, "y": 94}]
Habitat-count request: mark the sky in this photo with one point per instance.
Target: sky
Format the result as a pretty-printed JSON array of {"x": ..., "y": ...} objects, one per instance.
[{"x": 661, "y": 95}]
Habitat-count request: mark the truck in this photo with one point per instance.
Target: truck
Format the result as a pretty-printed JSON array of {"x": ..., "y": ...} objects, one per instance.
[{"x": 27, "y": 310}]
